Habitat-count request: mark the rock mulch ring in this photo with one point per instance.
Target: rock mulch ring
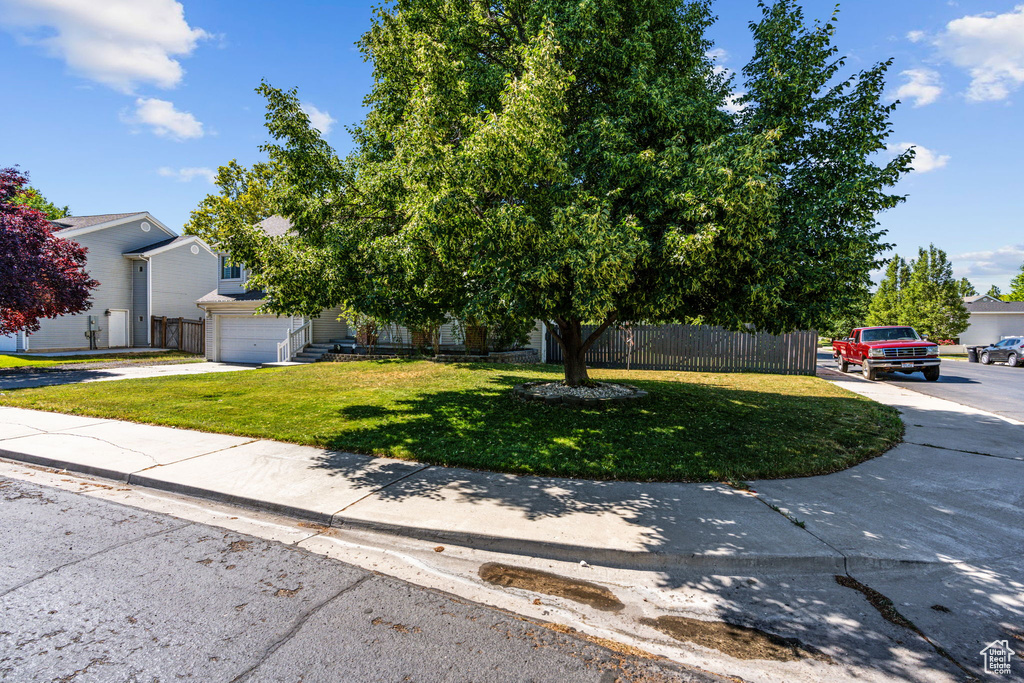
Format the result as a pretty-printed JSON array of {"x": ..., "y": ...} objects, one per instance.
[{"x": 602, "y": 394}]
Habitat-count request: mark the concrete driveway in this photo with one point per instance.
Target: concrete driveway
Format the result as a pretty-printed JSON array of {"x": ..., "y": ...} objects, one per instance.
[{"x": 53, "y": 378}]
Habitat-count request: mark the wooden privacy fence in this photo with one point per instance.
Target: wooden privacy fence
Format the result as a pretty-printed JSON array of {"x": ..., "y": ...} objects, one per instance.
[
  {"x": 700, "y": 348},
  {"x": 179, "y": 333}
]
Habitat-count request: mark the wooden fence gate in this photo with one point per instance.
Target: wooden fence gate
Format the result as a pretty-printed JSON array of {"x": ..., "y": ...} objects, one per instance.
[
  {"x": 179, "y": 333},
  {"x": 699, "y": 348}
]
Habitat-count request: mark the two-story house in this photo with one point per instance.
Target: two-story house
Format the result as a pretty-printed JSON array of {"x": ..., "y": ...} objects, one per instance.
[
  {"x": 143, "y": 267},
  {"x": 236, "y": 334}
]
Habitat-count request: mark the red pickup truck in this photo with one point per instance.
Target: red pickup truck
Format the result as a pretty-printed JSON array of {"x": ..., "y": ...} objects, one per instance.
[{"x": 891, "y": 348}]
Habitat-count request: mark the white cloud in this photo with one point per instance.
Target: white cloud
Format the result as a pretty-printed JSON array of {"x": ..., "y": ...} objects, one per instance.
[
  {"x": 994, "y": 265},
  {"x": 915, "y": 36},
  {"x": 925, "y": 160},
  {"x": 732, "y": 103},
  {"x": 187, "y": 174},
  {"x": 991, "y": 48},
  {"x": 120, "y": 43},
  {"x": 164, "y": 119},
  {"x": 923, "y": 86},
  {"x": 718, "y": 55},
  {"x": 318, "y": 118}
]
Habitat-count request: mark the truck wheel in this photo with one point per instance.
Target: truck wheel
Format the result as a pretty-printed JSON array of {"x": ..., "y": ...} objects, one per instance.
[
  {"x": 985, "y": 358},
  {"x": 843, "y": 365},
  {"x": 932, "y": 374},
  {"x": 1011, "y": 360},
  {"x": 870, "y": 374}
]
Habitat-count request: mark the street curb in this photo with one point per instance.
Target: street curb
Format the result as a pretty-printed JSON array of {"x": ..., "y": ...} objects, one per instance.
[{"x": 621, "y": 559}]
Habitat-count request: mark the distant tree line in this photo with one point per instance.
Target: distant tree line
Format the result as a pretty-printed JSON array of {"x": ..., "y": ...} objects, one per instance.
[{"x": 921, "y": 292}]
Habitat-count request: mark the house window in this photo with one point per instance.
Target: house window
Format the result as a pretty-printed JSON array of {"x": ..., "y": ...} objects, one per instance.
[{"x": 229, "y": 270}]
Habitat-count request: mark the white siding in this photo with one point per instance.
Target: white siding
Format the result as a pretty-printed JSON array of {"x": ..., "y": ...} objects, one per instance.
[
  {"x": 230, "y": 286},
  {"x": 328, "y": 327},
  {"x": 179, "y": 279},
  {"x": 988, "y": 328},
  {"x": 105, "y": 263},
  {"x": 211, "y": 339},
  {"x": 8, "y": 343},
  {"x": 536, "y": 338}
]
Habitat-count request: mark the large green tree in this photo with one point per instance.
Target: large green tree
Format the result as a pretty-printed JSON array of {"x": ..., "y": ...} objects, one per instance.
[
  {"x": 886, "y": 307},
  {"x": 577, "y": 163},
  {"x": 933, "y": 304},
  {"x": 26, "y": 195},
  {"x": 1016, "y": 292},
  {"x": 923, "y": 294},
  {"x": 966, "y": 288}
]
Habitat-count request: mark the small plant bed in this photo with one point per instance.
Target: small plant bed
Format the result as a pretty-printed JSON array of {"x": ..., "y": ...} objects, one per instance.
[
  {"x": 28, "y": 363},
  {"x": 599, "y": 395},
  {"x": 692, "y": 427}
]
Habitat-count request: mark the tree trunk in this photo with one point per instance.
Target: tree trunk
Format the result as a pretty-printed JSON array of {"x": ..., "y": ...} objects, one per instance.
[
  {"x": 574, "y": 348},
  {"x": 573, "y": 354}
]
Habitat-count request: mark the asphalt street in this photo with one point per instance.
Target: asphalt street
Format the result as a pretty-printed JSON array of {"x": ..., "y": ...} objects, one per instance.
[
  {"x": 96, "y": 591},
  {"x": 996, "y": 388}
]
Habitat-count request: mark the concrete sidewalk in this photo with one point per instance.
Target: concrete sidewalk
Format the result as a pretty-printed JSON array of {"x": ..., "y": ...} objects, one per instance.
[
  {"x": 933, "y": 499},
  {"x": 936, "y": 524},
  {"x": 611, "y": 523}
]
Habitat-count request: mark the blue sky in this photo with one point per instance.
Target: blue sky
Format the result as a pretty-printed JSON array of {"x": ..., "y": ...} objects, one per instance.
[{"x": 125, "y": 105}]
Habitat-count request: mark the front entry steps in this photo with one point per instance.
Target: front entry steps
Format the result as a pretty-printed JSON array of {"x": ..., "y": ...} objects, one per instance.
[{"x": 312, "y": 353}]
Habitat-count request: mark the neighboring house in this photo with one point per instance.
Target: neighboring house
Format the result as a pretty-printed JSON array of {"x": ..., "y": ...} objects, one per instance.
[
  {"x": 143, "y": 268},
  {"x": 236, "y": 334},
  {"x": 991, "y": 320}
]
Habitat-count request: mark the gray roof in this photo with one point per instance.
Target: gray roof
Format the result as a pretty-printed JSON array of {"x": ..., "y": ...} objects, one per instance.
[
  {"x": 978, "y": 297},
  {"x": 275, "y": 226},
  {"x": 995, "y": 306},
  {"x": 215, "y": 298},
  {"x": 157, "y": 245},
  {"x": 72, "y": 222}
]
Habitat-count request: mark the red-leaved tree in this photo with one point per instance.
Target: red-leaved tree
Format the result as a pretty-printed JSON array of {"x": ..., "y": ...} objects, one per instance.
[{"x": 41, "y": 275}]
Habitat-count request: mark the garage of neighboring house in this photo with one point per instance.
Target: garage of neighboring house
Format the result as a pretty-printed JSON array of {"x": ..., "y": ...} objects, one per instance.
[
  {"x": 992, "y": 320},
  {"x": 249, "y": 338},
  {"x": 236, "y": 334}
]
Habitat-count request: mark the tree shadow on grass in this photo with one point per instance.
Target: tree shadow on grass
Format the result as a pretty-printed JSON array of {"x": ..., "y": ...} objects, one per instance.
[
  {"x": 683, "y": 432},
  {"x": 923, "y": 526},
  {"x": 474, "y": 430}
]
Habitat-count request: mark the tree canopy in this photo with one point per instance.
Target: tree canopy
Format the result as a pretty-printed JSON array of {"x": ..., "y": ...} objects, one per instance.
[
  {"x": 575, "y": 163},
  {"x": 966, "y": 288},
  {"x": 34, "y": 199},
  {"x": 923, "y": 294},
  {"x": 1016, "y": 292},
  {"x": 41, "y": 275}
]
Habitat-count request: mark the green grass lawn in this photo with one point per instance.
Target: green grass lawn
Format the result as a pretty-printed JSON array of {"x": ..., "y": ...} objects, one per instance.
[
  {"x": 694, "y": 426},
  {"x": 25, "y": 360}
]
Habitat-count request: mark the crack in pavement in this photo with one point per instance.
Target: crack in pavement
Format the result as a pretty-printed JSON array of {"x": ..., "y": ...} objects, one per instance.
[
  {"x": 297, "y": 626},
  {"x": 85, "y": 436},
  {"x": 887, "y": 609},
  {"x": 793, "y": 521},
  {"x": 960, "y": 450},
  {"x": 191, "y": 457},
  {"x": 92, "y": 555},
  {"x": 379, "y": 489},
  {"x": 43, "y": 431}
]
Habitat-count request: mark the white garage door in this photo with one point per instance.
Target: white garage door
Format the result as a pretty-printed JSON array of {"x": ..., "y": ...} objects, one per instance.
[
  {"x": 9, "y": 342},
  {"x": 251, "y": 339}
]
